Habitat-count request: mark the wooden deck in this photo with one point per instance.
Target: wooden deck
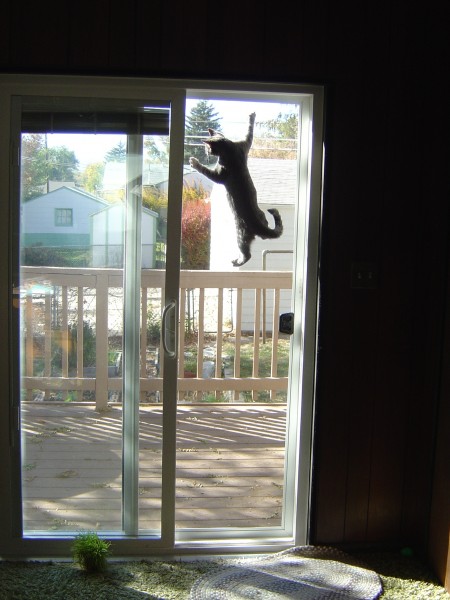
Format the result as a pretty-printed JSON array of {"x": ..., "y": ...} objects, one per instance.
[{"x": 230, "y": 466}]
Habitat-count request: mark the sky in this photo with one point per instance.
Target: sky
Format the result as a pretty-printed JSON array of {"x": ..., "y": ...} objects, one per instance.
[{"x": 92, "y": 148}]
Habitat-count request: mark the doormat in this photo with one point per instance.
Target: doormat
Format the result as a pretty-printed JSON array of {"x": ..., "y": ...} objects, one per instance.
[{"x": 305, "y": 572}]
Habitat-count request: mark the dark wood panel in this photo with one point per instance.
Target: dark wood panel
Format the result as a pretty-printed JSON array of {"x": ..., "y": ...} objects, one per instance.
[
  {"x": 122, "y": 35},
  {"x": 282, "y": 51},
  {"x": 39, "y": 35},
  {"x": 429, "y": 310},
  {"x": 312, "y": 35},
  {"x": 346, "y": 41},
  {"x": 363, "y": 370},
  {"x": 89, "y": 36},
  {"x": 5, "y": 36},
  {"x": 394, "y": 349},
  {"x": 185, "y": 39},
  {"x": 334, "y": 402},
  {"x": 236, "y": 39},
  {"x": 386, "y": 487},
  {"x": 439, "y": 548},
  {"x": 149, "y": 33}
]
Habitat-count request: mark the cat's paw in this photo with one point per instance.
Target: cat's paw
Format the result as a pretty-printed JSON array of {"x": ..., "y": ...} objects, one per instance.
[
  {"x": 252, "y": 118},
  {"x": 194, "y": 162},
  {"x": 238, "y": 262}
]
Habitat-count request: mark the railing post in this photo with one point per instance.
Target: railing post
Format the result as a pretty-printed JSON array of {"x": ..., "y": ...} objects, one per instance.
[
  {"x": 29, "y": 350},
  {"x": 64, "y": 339},
  {"x": 101, "y": 342},
  {"x": 143, "y": 338},
  {"x": 80, "y": 338}
]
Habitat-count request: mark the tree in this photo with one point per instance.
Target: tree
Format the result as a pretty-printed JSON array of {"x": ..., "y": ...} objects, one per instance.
[
  {"x": 92, "y": 178},
  {"x": 40, "y": 164},
  {"x": 201, "y": 117},
  {"x": 157, "y": 148},
  {"x": 195, "y": 229},
  {"x": 62, "y": 164},
  {"x": 279, "y": 138},
  {"x": 117, "y": 154},
  {"x": 156, "y": 200},
  {"x": 284, "y": 126},
  {"x": 34, "y": 168}
]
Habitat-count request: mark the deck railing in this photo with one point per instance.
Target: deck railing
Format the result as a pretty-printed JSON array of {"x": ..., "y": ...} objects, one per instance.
[{"x": 62, "y": 309}]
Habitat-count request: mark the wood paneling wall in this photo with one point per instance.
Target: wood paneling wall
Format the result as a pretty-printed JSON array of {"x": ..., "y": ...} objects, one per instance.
[
  {"x": 385, "y": 202},
  {"x": 439, "y": 542}
]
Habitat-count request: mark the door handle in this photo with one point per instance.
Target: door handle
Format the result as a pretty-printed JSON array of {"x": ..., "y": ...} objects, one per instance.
[
  {"x": 287, "y": 323},
  {"x": 171, "y": 352}
]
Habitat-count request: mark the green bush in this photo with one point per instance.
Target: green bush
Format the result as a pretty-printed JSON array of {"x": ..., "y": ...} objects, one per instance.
[
  {"x": 153, "y": 325},
  {"x": 90, "y": 552},
  {"x": 89, "y": 345},
  {"x": 50, "y": 256}
]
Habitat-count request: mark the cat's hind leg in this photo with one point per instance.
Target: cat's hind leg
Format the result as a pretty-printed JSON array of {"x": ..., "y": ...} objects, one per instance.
[{"x": 244, "y": 240}]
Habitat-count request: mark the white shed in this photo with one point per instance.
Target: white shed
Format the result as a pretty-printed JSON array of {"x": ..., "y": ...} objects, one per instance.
[
  {"x": 60, "y": 218},
  {"x": 107, "y": 229}
]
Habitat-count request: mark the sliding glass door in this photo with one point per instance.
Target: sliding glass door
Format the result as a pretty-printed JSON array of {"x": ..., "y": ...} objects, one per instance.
[
  {"x": 89, "y": 324},
  {"x": 159, "y": 397}
]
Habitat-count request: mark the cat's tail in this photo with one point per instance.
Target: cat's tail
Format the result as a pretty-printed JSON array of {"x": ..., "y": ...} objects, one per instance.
[{"x": 278, "y": 229}]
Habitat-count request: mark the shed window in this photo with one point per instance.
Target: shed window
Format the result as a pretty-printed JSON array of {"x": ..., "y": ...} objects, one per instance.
[{"x": 63, "y": 217}]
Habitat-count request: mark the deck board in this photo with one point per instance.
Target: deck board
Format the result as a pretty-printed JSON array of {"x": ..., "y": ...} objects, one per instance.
[{"x": 230, "y": 466}]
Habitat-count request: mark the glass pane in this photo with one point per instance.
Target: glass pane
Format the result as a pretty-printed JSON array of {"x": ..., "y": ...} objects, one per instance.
[
  {"x": 74, "y": 195},
  {"x": 71, "y": 323},
  {"x": 234, "y": 363},
  {"x": 155, "y": 174}
]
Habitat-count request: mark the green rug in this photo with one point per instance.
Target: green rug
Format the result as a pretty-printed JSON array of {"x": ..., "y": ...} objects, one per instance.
[{"x": 403, "y": 578}]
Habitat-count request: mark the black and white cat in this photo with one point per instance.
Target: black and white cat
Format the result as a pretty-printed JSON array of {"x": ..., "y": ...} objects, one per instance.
[{"x": 231, "y": 170}]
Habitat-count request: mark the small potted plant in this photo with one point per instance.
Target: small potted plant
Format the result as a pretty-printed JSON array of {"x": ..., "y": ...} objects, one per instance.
[{"x": 91, "y": 552}]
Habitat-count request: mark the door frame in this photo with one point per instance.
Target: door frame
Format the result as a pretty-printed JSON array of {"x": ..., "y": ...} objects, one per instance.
[{"x": 12, "y": 543}]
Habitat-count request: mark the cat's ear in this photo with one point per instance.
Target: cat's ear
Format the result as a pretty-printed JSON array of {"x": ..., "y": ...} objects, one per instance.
[{"x": 214, "y": 133}]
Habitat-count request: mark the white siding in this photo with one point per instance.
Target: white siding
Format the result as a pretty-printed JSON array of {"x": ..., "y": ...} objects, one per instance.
[
  {"x": 107, "y": 237},
  {"x": 38, "y": 215},
  {"x": 223, "y": 237},
  {"x": 224, "y": 249}
]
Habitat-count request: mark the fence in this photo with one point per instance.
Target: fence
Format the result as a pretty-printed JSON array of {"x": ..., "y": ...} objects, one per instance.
[{"x": 71, "y": 324}]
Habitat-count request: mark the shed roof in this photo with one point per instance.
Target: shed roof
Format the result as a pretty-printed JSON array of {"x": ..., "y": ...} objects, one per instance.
[
  {"x": 275, "y": 179},
  {"x": 119, "y": 206},
  {"x": 66, "y": 192}
]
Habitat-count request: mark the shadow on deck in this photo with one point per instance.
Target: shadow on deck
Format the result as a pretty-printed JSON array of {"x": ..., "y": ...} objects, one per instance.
[{"x": 230, "y": 466}]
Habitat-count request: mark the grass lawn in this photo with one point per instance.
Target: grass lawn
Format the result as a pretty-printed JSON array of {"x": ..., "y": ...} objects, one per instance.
[{"x": 246, "y": 365}]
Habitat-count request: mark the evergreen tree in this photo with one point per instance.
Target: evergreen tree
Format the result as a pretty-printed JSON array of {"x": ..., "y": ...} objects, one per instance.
[
  {"x": 201, "y": 117},
  {"x": 117, "y": 154}
]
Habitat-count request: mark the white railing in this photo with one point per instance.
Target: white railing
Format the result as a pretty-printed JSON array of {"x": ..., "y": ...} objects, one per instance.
[{"x": 57, "y": 303}]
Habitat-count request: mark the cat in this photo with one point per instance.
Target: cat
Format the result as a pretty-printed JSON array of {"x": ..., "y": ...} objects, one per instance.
[{"x": 231, "y": 170}]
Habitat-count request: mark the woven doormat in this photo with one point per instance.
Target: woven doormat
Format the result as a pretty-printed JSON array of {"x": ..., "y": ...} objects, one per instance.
[{"x": 305, "y": 572}]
